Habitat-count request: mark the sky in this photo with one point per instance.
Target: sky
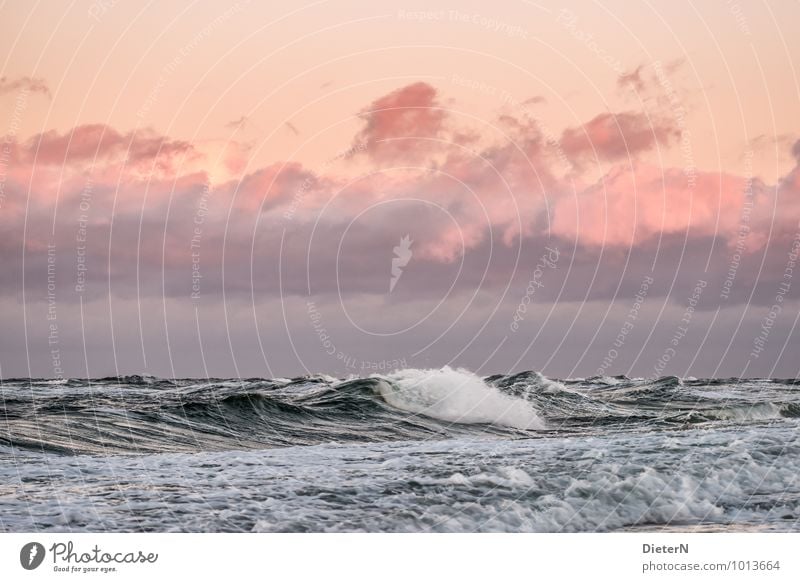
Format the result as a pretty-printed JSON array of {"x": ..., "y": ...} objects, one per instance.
[{"x": 199, "y": 189}]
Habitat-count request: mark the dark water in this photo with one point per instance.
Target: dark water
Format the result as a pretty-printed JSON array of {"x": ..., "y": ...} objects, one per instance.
[{"x": 415, "y": 450}]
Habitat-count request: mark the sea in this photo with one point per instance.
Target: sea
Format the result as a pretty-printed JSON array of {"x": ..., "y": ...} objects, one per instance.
[{"x": 439, "y": 450}]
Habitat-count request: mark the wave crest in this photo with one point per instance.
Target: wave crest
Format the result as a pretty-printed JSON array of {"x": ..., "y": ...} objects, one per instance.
[{"x": 456, "y": 396}]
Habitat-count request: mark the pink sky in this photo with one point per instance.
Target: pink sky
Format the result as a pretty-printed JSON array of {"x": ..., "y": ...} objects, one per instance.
[{"x": 282, "y": 153}]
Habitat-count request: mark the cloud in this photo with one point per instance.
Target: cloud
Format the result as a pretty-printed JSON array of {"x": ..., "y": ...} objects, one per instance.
[
  {"x": 631, "y": 204},
  {"x": 610, "y": 136},
  {"x": 642, "y": 81},
  {"x": 396, "y": 124},
  {"x": 632, "y": 78},
  {"x": 535, "y": 100},
  {"x": 101, "y": 143},
  {"x": 110, "y": 155},
  {"x": 152, "y": 214},
  {"x": 240, "y": 123},
  {"x": 30, "y": 84},
  {"x": 270, "y": 187},
  {"x": 477, "y": 203}
]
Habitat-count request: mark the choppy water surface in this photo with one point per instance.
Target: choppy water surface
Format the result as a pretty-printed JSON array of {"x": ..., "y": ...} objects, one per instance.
[{"x": 416, "y": 450}]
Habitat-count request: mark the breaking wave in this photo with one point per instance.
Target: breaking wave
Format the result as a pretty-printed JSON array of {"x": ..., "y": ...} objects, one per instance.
[{"x": 144, "y": 414}]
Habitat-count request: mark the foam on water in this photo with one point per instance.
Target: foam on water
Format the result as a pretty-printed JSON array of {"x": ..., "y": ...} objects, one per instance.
[
  {"x": 661, "y": 480},
  {"x": 413, "y": 450},
  {"x": 456, "y": 396}
]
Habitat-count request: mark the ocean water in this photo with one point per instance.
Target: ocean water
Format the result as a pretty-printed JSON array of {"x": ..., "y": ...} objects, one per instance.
[{"x": 412, "y": 451}]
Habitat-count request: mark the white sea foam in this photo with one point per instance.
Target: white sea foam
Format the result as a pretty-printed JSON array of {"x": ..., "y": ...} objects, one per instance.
[
  {"x": 727, "y": 478},
  {"x": 456, "y": 396}
]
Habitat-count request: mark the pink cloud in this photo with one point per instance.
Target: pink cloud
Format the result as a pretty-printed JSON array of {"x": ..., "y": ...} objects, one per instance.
[
  {"x": 409, "y": 112},
  {"x": 611, "y": 136},
  {"x": 272, "y": 186},
  {"x": 644, "y": 78},
  {"x": 30, "y": 84},
  {"x": 98, "y": 142},
  {"x": 633, "y": 78},
  {"x": 630, "y": 205},
  {"x": 501, "y": 190}
]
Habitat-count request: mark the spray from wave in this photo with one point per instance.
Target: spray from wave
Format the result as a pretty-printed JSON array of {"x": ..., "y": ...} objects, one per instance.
[{"x": 456, "y": 396}]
